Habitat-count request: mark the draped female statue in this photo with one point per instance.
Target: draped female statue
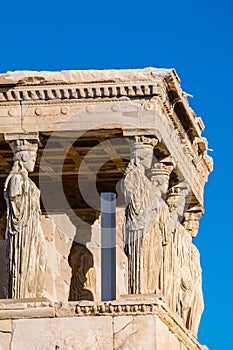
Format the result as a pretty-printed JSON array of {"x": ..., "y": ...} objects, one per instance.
[
  {"x": 26, "y": 252},
  {"x": 137, "y": 190},
  {"x": 196, "y": 302},
  {"x": 173, "y": 247},
  {"x": 145, "y": 218},
  {"x": 181, "y": 265},
  {"x": 156, "y": 236}
]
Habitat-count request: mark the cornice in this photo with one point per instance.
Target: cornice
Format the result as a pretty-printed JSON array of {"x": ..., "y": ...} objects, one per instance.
[
  {"x": 92, "y": 93},
  {"x": 78, "y": 91},
  {"x": 29, "y": 86}
]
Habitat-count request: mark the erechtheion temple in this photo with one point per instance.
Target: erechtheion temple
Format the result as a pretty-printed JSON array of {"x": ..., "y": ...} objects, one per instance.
[{"x": 101, "y": 182}]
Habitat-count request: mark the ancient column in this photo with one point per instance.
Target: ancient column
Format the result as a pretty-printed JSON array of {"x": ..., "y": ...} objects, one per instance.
[{"x": 25, "y": 244}]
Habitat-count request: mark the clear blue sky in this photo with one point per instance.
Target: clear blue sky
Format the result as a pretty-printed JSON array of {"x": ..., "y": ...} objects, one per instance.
[{"x": 194, "y": 37}]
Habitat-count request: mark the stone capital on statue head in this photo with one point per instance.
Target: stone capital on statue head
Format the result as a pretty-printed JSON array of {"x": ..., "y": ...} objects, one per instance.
[
  {"x": 179, "y": 190},
  {"x": 23, "y": 145},
  {"x": 159, "y": 168},
  {"x": 142, "y": 150}
]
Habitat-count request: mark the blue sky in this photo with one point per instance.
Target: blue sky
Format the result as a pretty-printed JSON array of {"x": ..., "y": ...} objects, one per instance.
[{"x": 194, "y": 37}]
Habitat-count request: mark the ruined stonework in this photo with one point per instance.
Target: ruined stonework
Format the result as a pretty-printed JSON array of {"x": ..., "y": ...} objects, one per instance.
[{"x": 65, "y": 138}]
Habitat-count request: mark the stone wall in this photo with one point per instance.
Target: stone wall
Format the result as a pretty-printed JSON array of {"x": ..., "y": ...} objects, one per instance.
[
  {"x": 138, "y": 324},
  {"x": 59, "y": 234}
]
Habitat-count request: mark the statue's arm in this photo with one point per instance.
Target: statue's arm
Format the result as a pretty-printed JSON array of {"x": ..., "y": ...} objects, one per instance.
[
  {"x": 132, "y": 192},
  {"x": 168, "y": 225},
  {"x": 15, "y": 189}
]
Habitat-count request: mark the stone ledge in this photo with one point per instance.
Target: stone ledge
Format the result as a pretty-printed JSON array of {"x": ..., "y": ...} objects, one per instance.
[
  {"x": 125, "y": 307},
  {"x": 26, "y": 308},
  {"x": 33, "y": 312},
  {"x": 84, "y": 76}
]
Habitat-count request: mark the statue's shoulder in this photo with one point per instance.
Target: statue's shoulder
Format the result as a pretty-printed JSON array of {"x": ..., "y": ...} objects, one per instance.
[
  {"x": 130, "y": 168},
  {"x": 15, "y": 177},
  {"x": 13, "y": 185}
]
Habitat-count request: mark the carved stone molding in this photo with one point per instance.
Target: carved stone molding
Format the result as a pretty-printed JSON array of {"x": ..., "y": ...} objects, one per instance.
[{"x": 74, "y": 92}]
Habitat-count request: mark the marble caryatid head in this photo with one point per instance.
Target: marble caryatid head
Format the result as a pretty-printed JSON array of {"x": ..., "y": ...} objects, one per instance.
[
  {"x": 176, "y": 199},
  {"x": 160, "y": 176},
  {"x": 25, "y": 152},
  {"x": 191, "y": 219},
  {"x": 142, "y": 151}
]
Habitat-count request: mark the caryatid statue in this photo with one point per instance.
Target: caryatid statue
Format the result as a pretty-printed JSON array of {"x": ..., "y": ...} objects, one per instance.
[
  {"x": 160, "y": 176},
  {"x": 139, "y": 204},
  {"x": 26, "y": 250},
  {"x": 196, "y": 302},
  {"x": 181, "y": 266},
  {"x": 176, "y": 201},
  {"x": 156, "y": 235}
]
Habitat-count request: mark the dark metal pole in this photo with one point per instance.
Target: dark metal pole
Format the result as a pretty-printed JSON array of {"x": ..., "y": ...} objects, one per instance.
[{"x": 108, "y": 246}]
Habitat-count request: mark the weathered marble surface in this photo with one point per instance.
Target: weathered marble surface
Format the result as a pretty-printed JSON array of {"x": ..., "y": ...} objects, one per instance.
[
  {"x": 59, "y": 233},
  {"x": 72, "y": 76},
  {"x": 5, "y": 341},
  {"x": 63, "y": 333},
  {"x": 144, "y": 324},
  {"x": 5, "y": 334}
]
